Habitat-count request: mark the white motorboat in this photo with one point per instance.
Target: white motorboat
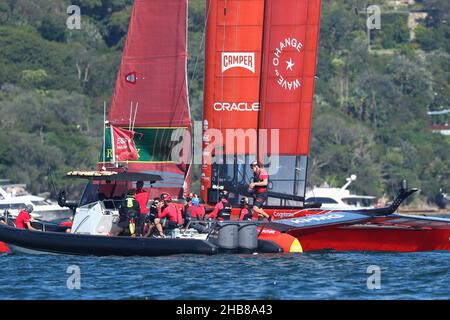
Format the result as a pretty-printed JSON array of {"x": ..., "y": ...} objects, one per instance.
[
  {"x": 13, "y": 197},
  {"x": 340, "y": 198}
]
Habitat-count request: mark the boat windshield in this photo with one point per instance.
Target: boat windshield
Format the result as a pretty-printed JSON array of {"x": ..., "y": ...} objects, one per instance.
[{"x": 106, "y": 191}]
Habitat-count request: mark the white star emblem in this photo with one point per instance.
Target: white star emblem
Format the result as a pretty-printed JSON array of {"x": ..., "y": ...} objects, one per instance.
[{"x": 290, "y": 64}]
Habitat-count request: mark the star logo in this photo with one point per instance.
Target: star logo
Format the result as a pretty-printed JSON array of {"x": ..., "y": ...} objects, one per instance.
[
  {"x": 290, "y": 64},
  {"x": 284, "y": 78}
]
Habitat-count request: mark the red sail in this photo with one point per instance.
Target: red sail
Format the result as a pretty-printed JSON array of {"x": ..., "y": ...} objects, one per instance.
[
  {"x": 259, "y": 74},
  {"x": 232, "y": 77},
  {"x": 291, "y": 31},
  {"x": 152, "y": 81},
  {"x": 153, "y": 68}
]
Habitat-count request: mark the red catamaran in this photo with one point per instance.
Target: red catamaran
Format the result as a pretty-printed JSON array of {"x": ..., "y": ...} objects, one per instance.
[{"x": 259, "y": 75}]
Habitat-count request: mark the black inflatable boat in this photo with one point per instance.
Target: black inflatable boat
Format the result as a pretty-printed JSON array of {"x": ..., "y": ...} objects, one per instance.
[{"x": 44, "y": 242}]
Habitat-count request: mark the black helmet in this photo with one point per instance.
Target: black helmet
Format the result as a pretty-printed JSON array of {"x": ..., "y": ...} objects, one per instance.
[
  {"x": 244, "y": 201},
  {"x": 224, "y": 194},
  {"x": 29, "y": 208}
]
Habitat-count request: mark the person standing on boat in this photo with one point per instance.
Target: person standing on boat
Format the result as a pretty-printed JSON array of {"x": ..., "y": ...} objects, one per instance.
[
  {"x": 24, "y": 219},
  {"x": 130, "y": 213},
  {"x": 259, "y": 188},
  {"x": 246, "y": 213},
  {"x": 222, "y": 210},
  {"x": 142, "y": 198}
]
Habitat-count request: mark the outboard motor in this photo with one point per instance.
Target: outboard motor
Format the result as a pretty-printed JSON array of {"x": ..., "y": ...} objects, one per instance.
[
  {"x": 225, "y": 235},
  {"x": 248, "y": 235}
]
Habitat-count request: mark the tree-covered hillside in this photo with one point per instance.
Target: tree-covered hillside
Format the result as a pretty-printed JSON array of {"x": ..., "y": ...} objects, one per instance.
[{"x": 370, "y": 104}]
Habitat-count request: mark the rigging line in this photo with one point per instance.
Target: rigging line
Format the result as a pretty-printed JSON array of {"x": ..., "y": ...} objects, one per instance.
[
  {"x": 135, "y": 113},
  {"x": 188, "y": 88},
  {"x": 261, "y": 87},
  {"x": 131, "y": 112},
  {"x": 222, "y": 85},
  {"x": 202, "y": 41}
]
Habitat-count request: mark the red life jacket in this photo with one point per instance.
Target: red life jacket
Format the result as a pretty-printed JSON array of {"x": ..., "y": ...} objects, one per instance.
[{"x": 259, "y": 177}]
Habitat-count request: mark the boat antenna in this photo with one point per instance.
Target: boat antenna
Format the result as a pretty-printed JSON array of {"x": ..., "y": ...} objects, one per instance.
[{"x": 104, "y": 135}]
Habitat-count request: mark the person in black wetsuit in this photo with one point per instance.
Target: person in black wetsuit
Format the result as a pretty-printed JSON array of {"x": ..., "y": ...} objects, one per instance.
[
  {"x": 129, "y": 212},
  {"x": 152, "y": 220}
]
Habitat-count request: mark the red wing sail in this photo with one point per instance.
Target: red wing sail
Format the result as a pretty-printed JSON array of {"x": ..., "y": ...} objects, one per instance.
[
  {"x": 291, "y": 32},
  {"x": 151, "y": 91},
  {"x": 259, "y": 83},
  {"x": 232, "y": 81}
]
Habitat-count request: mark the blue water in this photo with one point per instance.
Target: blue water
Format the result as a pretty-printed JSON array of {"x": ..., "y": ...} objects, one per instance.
[{"x": 298, "y": 276}]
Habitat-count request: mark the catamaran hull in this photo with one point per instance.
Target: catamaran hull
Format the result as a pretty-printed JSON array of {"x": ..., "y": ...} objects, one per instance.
[
  {"x": 357, "y": 238},
  {"x": 363, "y": 231}
]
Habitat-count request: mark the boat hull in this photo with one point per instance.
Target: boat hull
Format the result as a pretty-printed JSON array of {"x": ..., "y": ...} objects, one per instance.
[
  {"x": 394, "y": 233},
  {"x": 42, "y": 242},
  {"x": 75, "y": 244},
  {"x": 374, "y": 237}
]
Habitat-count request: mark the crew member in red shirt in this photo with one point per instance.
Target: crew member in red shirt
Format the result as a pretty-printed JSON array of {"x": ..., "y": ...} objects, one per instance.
[
  {"x": 171, "y": 212},
  {"x": 196, "y": 213},
  {"x": 194, "y": 210},
  {"x": 24, "y": 219},
  {"x": 141, "y": 197},
  {"x": 222, "y": 210},
  {"x": 259, "y": 188},
  {"x": 246, "y": 213}
]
